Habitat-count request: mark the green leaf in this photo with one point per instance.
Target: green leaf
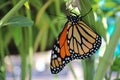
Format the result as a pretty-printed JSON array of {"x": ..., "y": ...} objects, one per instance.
[{"x": 19, "y": 21}]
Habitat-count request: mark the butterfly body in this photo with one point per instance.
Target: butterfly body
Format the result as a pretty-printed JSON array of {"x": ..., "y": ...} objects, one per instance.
[{"x": 76, "y": 41}]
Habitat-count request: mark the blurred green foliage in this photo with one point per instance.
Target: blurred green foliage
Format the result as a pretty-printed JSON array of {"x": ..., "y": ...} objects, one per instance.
[
  {"x": 18, "y": 34},
  {"x": 46, "y": 17},
  {"x": 42, "y": 24}
]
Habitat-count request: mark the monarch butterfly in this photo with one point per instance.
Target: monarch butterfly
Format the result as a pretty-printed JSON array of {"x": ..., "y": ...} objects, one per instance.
[{"x": 76, "y": 41}]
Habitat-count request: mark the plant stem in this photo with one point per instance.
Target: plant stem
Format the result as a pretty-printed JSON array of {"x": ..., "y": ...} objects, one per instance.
[
  {"x": 88, "y": 64},
  {"x": 118, "y": 73},
  {"x": 2, "y": 56},
  {"x": 23, "y": 65},
  {"x": 73, "y": 72},
  {"x": 42, "y": 10},
  {"x": 11, "y": 12},
  {"x": 105, "y": 62},
  {"x": 30, "y": 43},
  {"x": 88, "y": 67},
  {"x": 38, "y": 17},
  {"x": 23, "y": 53}
]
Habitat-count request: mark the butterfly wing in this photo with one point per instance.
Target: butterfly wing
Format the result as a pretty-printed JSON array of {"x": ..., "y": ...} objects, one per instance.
[
  {"x": 60, "y": 52},
  {"x": 82, "y": 40},
  {"x": 76, "y": 41}
]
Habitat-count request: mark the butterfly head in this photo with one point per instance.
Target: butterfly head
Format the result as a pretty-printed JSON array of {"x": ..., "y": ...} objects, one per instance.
[{"x": 72, "y": 17}]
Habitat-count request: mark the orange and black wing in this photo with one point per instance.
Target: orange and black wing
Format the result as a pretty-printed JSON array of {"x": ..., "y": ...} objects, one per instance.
[
  {"x": 76, "y": 41},
  {"x": 60, "y": 53},
  {"x": 82, "y": 40}
]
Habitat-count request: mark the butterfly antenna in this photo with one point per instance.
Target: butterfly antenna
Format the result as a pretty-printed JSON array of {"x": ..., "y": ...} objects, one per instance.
[{"x": 87, "y": 13}]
